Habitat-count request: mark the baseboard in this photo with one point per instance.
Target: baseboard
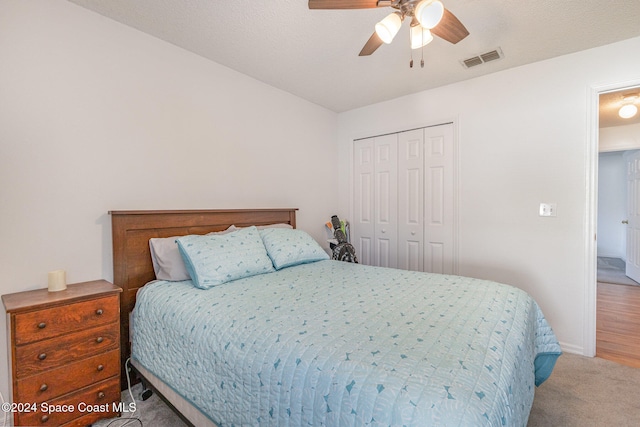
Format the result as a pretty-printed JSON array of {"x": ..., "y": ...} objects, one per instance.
[
  {"x": 618, "y": 256},
  {"x": 571, "y": 348}
]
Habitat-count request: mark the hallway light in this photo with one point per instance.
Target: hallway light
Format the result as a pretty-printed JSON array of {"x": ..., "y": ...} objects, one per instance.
[{"x": 629, "y": 109}]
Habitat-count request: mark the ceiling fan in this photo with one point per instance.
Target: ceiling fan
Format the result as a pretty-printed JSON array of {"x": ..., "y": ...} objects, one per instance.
[{"x": 427, "y": 17}]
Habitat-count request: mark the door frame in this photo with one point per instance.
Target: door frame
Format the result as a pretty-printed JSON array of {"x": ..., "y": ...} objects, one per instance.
[{"x": 591, "y": 217}]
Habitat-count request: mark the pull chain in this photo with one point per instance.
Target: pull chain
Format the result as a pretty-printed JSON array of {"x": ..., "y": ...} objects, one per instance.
[
  {"x": 422, "y": 50},
  {"x": 411, "y": 47}
]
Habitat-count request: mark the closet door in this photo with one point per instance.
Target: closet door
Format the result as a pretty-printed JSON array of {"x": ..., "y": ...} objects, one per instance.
[
  {"x": 386, "y": 201},
  {"x": 411, "y": 200},
  {"x": 439, "y": 200},
  {"x": 362, "y": 225},
  {"x": 404, "y": 200}
]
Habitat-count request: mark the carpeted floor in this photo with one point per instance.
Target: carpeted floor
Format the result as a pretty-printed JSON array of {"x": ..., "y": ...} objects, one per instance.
[
  {"x": 152, "y": 412},
  {"x": 582, "y": 391},
  {"x": 585, "y": 391},
  {"x": 612, "y": 270}
]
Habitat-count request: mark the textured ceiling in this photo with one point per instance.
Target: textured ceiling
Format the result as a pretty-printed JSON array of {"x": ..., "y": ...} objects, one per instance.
[{"x": 314, "y": 53}]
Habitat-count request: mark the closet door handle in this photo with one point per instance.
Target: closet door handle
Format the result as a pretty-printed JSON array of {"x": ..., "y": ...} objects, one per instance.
[{"x": 626, "y": 221}]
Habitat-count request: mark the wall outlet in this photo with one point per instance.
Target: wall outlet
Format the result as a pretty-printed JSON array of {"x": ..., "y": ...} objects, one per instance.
[{"x": 547, "y": 209}]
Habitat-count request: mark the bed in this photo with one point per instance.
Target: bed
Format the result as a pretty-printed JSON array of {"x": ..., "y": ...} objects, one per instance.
[{"x": 326, "y": 342}]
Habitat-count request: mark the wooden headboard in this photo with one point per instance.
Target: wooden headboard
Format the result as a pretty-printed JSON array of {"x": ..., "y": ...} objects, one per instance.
[{"x": 131, "y": 231}]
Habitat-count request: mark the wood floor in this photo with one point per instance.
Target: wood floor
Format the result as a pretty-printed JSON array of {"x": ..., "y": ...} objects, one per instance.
[{"x": 618, "y": 323}]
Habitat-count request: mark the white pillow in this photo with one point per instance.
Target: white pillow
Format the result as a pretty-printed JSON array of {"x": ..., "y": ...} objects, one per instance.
[
  {"x": 264, "y": 227},
  {"x": 280, "y": 225},
  {"x": 167, "y": 261}
]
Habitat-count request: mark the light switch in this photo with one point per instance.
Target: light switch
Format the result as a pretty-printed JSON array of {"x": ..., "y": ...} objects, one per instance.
[{"x": 547, "y": 209}]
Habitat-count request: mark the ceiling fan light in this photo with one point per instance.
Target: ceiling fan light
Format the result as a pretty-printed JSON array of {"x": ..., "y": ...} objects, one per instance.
[
  {"x": 420, "y": 37},
  {"x": 429, "y": 13},
  {"x": 389, "y": 27},
  {"x": 627, "y": 111}
]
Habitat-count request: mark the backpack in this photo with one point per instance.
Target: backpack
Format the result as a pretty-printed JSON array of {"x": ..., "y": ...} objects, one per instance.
[{"x": 343, "y": 250}]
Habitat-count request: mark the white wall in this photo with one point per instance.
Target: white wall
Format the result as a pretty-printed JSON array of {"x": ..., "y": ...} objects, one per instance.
[
  {"x": 523, "y": 138},
  {"x": 96, "y": 116},
  {"x": 612, "y": 205},
  {"x": 619, "y": 138}
]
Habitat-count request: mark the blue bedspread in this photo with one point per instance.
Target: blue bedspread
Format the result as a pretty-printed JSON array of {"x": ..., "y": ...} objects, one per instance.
[{"x": 339, "y": 344}]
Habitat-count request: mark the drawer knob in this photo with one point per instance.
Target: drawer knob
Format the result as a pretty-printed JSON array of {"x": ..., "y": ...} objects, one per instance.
[
  {"x": 42, "y": 325},
  {"x": 44, "y": 387},
  {"x": 101, "y": 395},
  {"x": 42, "y": 356},
  {"x": 100, "y": 368},
  {"x": 44, "y": 418},
  {"x": 99, "y": 312},
  {"x": 99, "y": 340}
]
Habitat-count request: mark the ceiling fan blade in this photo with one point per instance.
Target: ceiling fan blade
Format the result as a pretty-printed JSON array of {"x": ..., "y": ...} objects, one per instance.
[
  {"x": 342, "y": 4},
  {"x": 372, "y": 44},
  {"x": 450, "y": 28}
]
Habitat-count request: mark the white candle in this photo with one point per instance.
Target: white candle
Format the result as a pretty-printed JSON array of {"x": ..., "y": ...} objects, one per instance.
[{"x": 57, "y": 280}]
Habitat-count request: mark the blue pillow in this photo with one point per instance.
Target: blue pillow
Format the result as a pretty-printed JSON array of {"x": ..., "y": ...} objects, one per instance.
[
  {"x": 212, "y": 260},
  {"x": 289, "y": 247}
]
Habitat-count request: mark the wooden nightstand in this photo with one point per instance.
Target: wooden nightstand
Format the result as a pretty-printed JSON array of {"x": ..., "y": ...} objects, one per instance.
[{"x": 64, "y": 353}]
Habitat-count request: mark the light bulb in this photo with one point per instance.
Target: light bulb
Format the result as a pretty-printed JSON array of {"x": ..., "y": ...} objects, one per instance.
[
  {"x": 429, "y": 13},
  {"x": 389, "y": 27},
  {"x": 627, "y": 111},
  {"x": 420, "y": 37}
]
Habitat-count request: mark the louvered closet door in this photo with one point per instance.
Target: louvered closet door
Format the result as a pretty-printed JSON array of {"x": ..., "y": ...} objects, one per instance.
[
  {"x": 439, "y": 199},
  {"x": 386, "y": 200},
  {"x": 411, "y": 200},
  {"x": 362, "y": 225}
]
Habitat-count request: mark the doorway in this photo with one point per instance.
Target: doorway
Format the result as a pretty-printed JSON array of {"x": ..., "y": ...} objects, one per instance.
[
  {"x": 617, "y": 296},
  {"x": 613, "y": 219}
]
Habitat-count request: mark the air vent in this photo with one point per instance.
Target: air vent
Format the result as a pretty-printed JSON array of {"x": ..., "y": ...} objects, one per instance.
[
  {"x": 481, "y": 59},
  {"x": 472, "y": 62},
  {"x": 490, "y": 56}
]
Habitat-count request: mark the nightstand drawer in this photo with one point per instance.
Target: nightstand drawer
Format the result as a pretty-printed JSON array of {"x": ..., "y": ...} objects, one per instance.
[
  {"x": 77, "y": 404},
  {"x": 59, "y": 381},
  {"x": 43, "y": 355},
  {"x": 51, "y": 322}
]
